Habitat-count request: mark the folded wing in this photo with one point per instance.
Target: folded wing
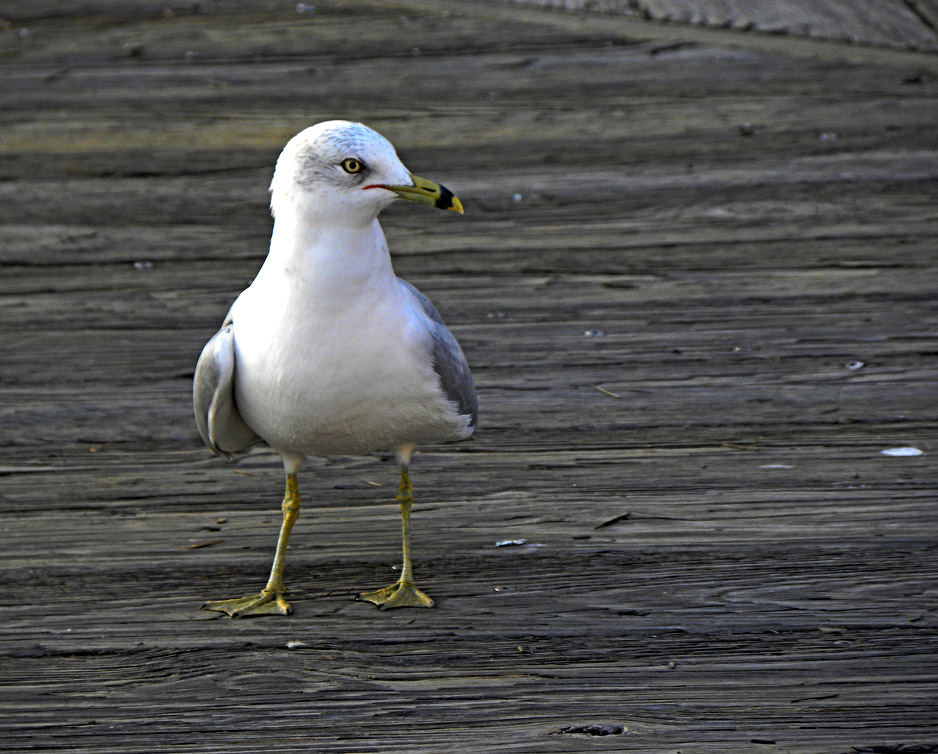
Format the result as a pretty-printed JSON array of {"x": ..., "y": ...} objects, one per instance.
[
  {"x": 448, "y": 361},
  {"x": 216, "y": 414}
]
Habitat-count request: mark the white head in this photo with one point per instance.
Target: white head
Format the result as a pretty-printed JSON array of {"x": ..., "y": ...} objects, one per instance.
[{"x": 338, "y": 171}]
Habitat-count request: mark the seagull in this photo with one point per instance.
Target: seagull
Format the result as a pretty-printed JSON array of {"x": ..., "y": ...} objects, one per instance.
[{"x": 329, "y": 352}]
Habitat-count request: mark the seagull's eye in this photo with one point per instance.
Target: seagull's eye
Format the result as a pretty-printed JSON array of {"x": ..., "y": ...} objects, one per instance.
[{"x": 351, "y": 166}]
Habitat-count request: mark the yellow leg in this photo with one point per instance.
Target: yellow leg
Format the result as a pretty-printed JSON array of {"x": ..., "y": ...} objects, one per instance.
[
  {"x": 403, "y": 593},
  {"x": 270, "y": 601}
]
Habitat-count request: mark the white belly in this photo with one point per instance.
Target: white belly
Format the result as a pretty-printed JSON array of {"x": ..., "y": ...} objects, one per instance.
[{"x": 350, "y": 376}]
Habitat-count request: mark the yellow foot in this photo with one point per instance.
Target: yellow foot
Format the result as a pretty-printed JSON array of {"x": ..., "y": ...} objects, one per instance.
[
  {"x": 397, "y": 595},
  {"x": 265, "y": 603}
]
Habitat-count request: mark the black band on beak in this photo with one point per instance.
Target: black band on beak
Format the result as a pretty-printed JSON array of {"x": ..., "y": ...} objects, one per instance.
[{"x": 445, "y": 199}]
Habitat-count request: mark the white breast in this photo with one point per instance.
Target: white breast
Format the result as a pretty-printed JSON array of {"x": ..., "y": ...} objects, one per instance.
[{"x": 321, "y": 372}]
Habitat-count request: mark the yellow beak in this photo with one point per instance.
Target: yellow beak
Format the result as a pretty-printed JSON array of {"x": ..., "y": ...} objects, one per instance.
[{"x": 426, "y": 192}]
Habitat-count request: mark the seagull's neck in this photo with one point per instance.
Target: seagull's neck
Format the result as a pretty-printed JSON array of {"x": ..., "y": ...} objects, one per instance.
[{"x": 327, "y": 257}]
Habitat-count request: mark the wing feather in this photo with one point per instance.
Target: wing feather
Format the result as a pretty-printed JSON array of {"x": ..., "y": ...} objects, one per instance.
[
  {"x": 448, "y": 361},
  {"x": 216, "y": 414}
]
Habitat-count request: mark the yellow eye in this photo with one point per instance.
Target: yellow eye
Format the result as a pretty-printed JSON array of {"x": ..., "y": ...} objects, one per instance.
[{"x": 351, "y": 165}]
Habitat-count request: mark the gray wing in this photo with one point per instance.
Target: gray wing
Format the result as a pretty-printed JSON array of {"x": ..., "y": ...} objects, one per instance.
[
  {"x": 216, "y": 415},
  {"x": 448, "y": 361}
]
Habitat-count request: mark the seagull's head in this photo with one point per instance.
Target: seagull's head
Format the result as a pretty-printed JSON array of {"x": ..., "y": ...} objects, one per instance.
[{"x": 339, "y": 171}]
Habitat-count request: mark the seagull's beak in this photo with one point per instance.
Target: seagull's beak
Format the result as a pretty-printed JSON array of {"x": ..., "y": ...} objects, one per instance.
[{"x": 425, "y": 192}]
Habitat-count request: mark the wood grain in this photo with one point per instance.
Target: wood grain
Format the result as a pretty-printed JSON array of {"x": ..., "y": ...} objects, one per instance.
[
  {"x": 895, "y": 23},
  {"x": 697, "y": 288}
]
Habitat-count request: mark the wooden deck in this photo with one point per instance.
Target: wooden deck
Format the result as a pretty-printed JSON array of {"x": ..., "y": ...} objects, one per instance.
[{"x": 696, "y": 281}]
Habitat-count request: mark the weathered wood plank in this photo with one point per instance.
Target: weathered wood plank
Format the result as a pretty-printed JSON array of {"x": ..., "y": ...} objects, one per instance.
[
  {"x": 894, "y": 23},
  {"x": 697, "y": 290}
]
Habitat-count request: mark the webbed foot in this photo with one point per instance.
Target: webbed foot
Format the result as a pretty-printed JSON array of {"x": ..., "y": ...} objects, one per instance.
[
  {"x": 397, "y": 595},
  {"x": 266, "y": 603}
]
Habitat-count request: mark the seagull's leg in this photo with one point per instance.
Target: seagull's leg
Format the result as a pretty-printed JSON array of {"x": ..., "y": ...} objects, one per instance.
[
  {"x": 403, "y": 593},
  {"x": 270, "y": 601}
]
